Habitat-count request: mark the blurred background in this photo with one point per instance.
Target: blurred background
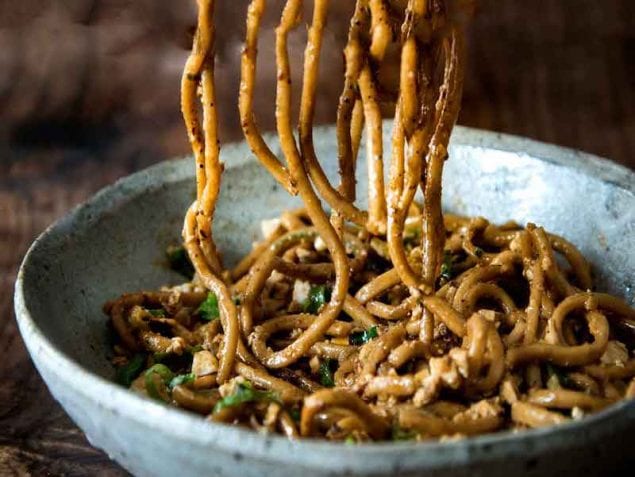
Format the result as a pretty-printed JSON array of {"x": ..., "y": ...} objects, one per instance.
[{"x": 89, "y": 92}]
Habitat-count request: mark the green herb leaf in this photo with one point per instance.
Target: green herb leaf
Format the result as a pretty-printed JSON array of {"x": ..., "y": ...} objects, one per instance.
[
  {"x": 556, "y": 378},
  {"x": 156, "y": 380},
  {"x": 179, "y": 261},
  {"x": 399, "y": 434},
  {"x": 181, "y": 379},
  {"x": 362, "y": 337},
  {"x": 447, "y": 272},
  {"x": 194, "y": 349},
  {"x": 208, "y": 310},
  {"x": 159, "y": 356},
  {"x": 326, "y": 372},
  {"x": 158, "y": 312},
  {"x": 244, "y": 393},
  {"x": 295, "y": 414},
  {"x": 412, "y": 235},
  {"x": 129, "y": 372},
  {"x": 319, "y": 295}
]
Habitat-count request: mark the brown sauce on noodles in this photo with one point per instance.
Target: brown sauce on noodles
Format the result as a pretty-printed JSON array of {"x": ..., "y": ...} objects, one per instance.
[{"x": 396, "y": 322}]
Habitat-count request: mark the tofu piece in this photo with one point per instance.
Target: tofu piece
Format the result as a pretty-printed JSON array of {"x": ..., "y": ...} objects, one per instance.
[
  {"x": 301, "y": 291},
  {"x": 616, "y": 354},
  {"x": 268, "y": 227}
]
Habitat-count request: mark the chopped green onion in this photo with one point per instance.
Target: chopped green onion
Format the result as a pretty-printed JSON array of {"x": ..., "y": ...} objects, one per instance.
[
  {"x": 295, "y": 414},
  {"x": 208, "y": 310},
  {"x": 350, "y": 440},
  {"x": 157, "y": 378},
  {"x": 399, "y": 434},
  {"x": 244, "y": 393},
  {"x": 194, "y": 349},
  {"x": 447, "y": 272},
  {"x": 556, "y": 378},
  {"x": 179, "y": 261},
  {"x": 181, "y": 379},
  {"x": 158, "y": 312},
  {"x": 160, "y": 356},
  {"x": 362, "y": 337},
  {"x": 326, "y": 372},
  {"x": 319, "y": 295},
  {"x": 129, "y": 372},
  {"x": 412, "y": 235}
]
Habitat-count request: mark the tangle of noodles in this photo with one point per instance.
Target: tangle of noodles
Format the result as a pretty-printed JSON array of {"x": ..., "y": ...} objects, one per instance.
[{"x": 395, "y": 322}]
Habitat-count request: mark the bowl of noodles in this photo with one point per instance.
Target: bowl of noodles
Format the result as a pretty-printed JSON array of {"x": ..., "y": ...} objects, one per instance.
[
  {"x": 319, "y": 317},
  {"x": 117, "y": 242}
]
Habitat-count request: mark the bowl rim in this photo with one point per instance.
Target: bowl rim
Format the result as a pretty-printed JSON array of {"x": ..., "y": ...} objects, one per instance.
[{"x": 189, "y": 427}]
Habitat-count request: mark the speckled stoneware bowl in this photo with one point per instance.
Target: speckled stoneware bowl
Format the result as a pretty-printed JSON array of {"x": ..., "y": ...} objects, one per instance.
[{"x": 115, "y": 242}]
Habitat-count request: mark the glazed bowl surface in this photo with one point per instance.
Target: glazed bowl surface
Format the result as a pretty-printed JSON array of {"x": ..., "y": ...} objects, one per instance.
[{"x": 115, "y": 242}]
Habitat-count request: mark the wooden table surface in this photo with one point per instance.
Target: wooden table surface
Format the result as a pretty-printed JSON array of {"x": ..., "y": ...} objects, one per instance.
[{"x": 87, "y": 111}]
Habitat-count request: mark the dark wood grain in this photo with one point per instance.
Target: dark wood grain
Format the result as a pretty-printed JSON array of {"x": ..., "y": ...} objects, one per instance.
[{"x": 556, "y": 70}]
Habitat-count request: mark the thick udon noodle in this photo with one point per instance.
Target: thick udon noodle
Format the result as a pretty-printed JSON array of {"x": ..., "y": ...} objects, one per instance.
[{"x": 392, "y": 322}]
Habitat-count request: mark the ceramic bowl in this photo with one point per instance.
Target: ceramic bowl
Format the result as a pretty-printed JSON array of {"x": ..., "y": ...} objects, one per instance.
[{"x": 115, "y": 243}]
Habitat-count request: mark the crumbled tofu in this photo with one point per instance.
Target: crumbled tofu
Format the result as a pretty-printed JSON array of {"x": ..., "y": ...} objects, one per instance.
[
  {"x": 319, "y": 244},
  {"x": 489, "y": 315},
  {"x": 481, "y": 409},
  {"x": 447, "y": 371},
  {"x": 178, "y": 289},
  {"x": 204, "y": 363},
  {"x": 577, "y": 413},
  {"x": 459, "y": 357},
  {"x": 177, "y": 346},
  {"x": 230, "y": 386},
  {"x": 275, "y": 277},
  {"x": 529, "y": 274},
  {"x": 269, "y": 226},
  {"x": 553, "y": 382},
  {"x": 427, "y": 392},
  {"x": 509, "y": 391},
  {"x": 444, "y": 372},
  {"x": 452, "y": 437},
  {"x": 440, "y": 330},
  {"x": 301, "y": 291},
  {"x": 271, "y": 416},
  {"x": 615, "y": 354},
  {"x": 314, "y": 364},
  {"x": 227, "y": 388}
]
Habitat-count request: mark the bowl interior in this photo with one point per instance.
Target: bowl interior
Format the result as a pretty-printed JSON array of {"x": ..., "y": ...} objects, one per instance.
[{"x": 116, "y": 242}]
